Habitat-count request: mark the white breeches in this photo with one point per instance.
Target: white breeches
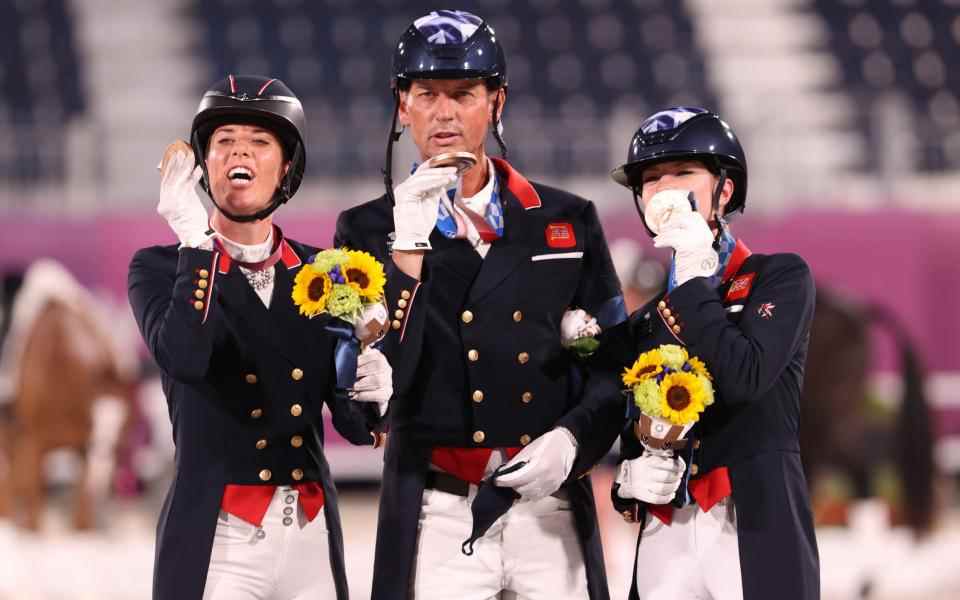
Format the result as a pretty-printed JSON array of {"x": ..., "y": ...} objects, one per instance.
[
  {"x": 530, "y": 553},
  {"x": 696, "y": 557},
  {"x": 286, "y": 558}
]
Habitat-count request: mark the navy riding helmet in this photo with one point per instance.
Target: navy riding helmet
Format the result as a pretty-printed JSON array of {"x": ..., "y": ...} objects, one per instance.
[
  {"x": 261, "y": 101},
  {"x": 687, "y": 133},
  {"x": 446, "y": 44}
]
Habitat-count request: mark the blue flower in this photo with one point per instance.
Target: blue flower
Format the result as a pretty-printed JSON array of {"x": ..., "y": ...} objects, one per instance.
[{"x": 336, "y": 276}]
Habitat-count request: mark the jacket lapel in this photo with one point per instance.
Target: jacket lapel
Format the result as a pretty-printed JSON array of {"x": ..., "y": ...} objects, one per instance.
[
  {"x": 453, "y": 255},
  {"x": 281, "y": 326},
  {"x": 510, "y": 251},
  {"x": 288, "y": 327}
]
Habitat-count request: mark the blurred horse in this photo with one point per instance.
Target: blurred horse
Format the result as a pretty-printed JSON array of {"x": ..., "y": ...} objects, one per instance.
[
  {"x": 837, "y": 433},
  {"x": 64, "y": 362}
]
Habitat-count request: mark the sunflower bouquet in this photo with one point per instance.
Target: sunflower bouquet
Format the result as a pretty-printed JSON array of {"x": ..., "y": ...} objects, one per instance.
[
  {"x": 341, "y": 283},
  {"x": 669, "y": 389}
]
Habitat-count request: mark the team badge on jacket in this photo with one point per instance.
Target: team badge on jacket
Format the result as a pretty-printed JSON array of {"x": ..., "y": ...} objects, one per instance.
[
  {"x": 560, "y": 235},
  {"x": 740, "y": 288}
]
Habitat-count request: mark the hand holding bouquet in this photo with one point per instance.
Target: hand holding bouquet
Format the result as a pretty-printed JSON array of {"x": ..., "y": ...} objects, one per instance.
[
  {"x": 346, "y": 284},
  {"x": 669, "y": 389}
]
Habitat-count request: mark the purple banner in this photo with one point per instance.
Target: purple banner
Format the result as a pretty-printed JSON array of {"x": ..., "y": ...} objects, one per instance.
[{"x": 903, "y": 261}]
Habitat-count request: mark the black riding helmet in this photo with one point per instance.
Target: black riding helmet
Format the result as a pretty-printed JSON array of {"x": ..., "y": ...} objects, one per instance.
[
  {"x": 268, "y": 103},
  {"x": 687, "y": 133},
  {"x": 446, "y": 44}
]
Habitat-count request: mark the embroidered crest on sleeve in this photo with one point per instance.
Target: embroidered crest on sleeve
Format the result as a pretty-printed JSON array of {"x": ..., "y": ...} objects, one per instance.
[{"x": 765, "y": 310}]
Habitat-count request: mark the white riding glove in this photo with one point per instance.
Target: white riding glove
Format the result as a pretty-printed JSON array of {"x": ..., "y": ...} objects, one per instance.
[
  {"x": 417, "y": 201},
  {"x": 669, "y": 214},
  {"x": 374, "y": 379},
  {"x": 549, "y": 459},
  {"x": 576, "y": 324},
  {"x": 651, "y": 478},
  {"x": 179, "y": 203}
]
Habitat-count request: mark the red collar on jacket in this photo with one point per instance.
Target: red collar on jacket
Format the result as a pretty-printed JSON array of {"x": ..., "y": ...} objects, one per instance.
[
  {"x": 518, "y": 184},
  {"x": 740, "y": 254},
  {"x": 282, "y": 252}
]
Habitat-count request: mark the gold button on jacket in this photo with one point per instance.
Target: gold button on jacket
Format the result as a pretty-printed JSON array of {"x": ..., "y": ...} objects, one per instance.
[
  {"x": 473, "y": 355},
  {"x": 524, "y": 439},
  {"x": 250, "y": 378},
  {"x": 405, "y": 295},
  {"x": 479, "y": 436},
  {"x": 256, "y": 413},
  {"x": 199, "y": 294},
  {"x": 477, "y": 396},
  {"x": 261, "y": 444},
  {"x": 402, "y": 303},
  {"x": 296, "y": 441},
  {"x": 265, "y": 475},
  {"x": 296, "y": 410},
  {"x": 694, "y": 469},
  {"x": 203, "y": 273},
  {"x": 395, "y": 324},
  {"x": 296, "y": 374},
  {"x": 198, "y": 305},
  {"x": 202, "y": 284},
  {"x": 517, "y": 316},
  {"x": 466, "y": 316},
  {"x": 523, "y": 358},
  {"x": 297, "y": 474},
  {"x": 527, "y": 397}
]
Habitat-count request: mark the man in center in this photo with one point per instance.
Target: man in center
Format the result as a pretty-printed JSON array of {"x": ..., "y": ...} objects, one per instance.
[{"x": 483, "y": 274}]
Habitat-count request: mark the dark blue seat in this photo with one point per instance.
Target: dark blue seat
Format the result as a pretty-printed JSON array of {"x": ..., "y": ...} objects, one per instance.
[
  {"x": 41, "y": 87},
  {"x": 908, "y": 50}
]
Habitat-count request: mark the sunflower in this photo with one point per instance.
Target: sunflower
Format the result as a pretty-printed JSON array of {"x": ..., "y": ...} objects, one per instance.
[
  {"x": 673, "y": 356},
  {"x": 682, "y": 398},
  {"x": 646, "y": 395},
  {"x": 647, "y": 365},
  {"x": 365, "y": 274},
  {"x": 344, "y": 302},
  {"x": 698, "y": 367},
  {"x": 311, "y": 290}
]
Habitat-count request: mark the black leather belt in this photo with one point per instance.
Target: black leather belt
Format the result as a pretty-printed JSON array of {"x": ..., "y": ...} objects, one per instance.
[{"x": 444, "y": 482}]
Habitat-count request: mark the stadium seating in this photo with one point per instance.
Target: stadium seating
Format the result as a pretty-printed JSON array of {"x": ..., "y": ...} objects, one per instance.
[
  {"x": 905, "y": 49},
  {"x": 41, "y": 87},
  {"x": 570, "y": 66}
]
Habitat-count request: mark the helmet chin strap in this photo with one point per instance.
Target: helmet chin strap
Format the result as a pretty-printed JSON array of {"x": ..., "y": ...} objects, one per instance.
[
  {"x": 278, "y": 199},
  {"x": 280, "y": 196},
  {"x": 498, "y": 127},
  {"x": 717, "y": 219},
  {"x": 715, "y": 209},
  {"x": 394, "y": 137}
]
